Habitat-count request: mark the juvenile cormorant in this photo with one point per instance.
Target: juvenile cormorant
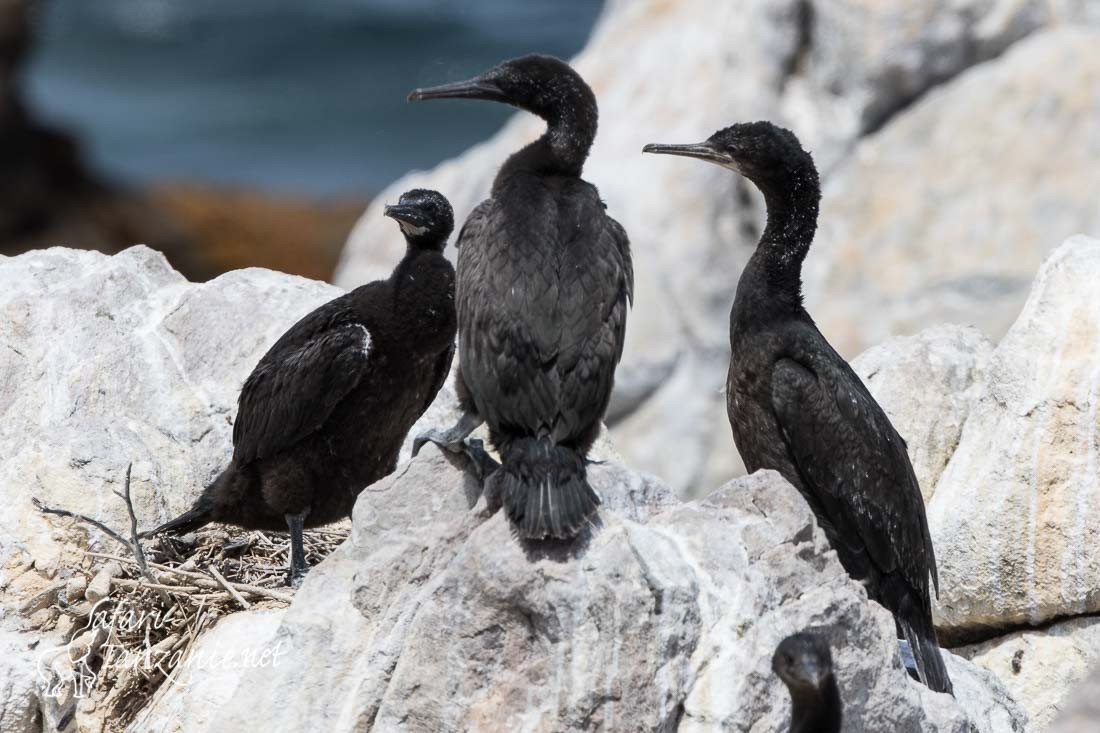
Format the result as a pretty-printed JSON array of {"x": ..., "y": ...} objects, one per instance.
[
  {"x": 326, "y": 409},
  {"x": 798, "y": 408},
  {"x": 805, "y": 665},
  {"x": 544, "y": 283}
]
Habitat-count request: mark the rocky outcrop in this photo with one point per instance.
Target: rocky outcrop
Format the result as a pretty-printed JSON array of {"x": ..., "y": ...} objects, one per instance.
[
  {"x": 207, "y": 678},
  {"x": 1042, "y": 667},
  {"x": 931, "y": 220},
  {"x": 1015, "y": 516},
  {"x": 110, "y": 360},
  {"x": 843, "y": 75},
  {"x": 1082, "y": 708},
  {"x": 927, "y": 384},
  {"x": 663, "y": 617}
]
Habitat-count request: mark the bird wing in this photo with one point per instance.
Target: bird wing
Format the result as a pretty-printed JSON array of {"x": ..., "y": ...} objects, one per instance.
[
  {"x": 594, "y": 327},
  {"x": 439, "y": 376},
  {"x": 298, "y": 383},
  {"x": 855, "y": 464}
]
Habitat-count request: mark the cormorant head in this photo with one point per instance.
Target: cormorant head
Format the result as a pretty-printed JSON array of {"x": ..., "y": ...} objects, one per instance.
[
  {"x": 804, "y": 663},
  {"x": 425, "y": 218},
  {"x": 543, "y": 85},
  {"x": 768, "y": 155}
]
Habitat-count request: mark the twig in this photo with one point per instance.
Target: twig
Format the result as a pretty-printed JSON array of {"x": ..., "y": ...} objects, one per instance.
[
  {"x": 130, "y": 583},
  {"x": 232, "y": 591},
  {"x": 94, "y": 522},
  {"x": 201, "y": 580},
  {"x": 135, "y": 543}
]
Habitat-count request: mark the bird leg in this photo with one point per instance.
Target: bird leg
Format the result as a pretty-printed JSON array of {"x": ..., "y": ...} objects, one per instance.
[
  {"x": 455, "y": 440},
  {"x": 296, "y": 566}
]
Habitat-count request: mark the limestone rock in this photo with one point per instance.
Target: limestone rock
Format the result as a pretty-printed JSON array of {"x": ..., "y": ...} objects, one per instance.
[
  {"x": 208, "y": 677},
  {"x": 108, "y": 360},
  {"x": 833, "y": 71},
  {"x": 1014, "y": 518},
  {"x": 1082, "y": 708},
  {"x": 945, "y": 214},
  {"x": 1042, "y": 668},
  {"x": 18, "y": 696},
  {"x": 927, "y": 384},
  {"x": 432, "y": 616}
]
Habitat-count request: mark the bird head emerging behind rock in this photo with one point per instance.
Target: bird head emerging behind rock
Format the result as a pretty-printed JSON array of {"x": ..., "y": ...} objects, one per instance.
[
  {"x": 425, "y": 218},
  {"x": 544, "y": 86},
  {"x": 805, "y": 665}
]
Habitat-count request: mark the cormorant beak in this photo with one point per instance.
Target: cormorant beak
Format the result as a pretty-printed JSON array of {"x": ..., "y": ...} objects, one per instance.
[
  {"x": 406, "y": 214},
  {"x": 703, "y": 151},
  {"x": 477, "y": 88}
]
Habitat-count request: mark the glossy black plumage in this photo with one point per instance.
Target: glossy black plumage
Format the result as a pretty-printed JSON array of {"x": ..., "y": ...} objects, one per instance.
[
  {"x": 326, "y": 409},
  {"x": 796, "y": 406},
  {"x": 544, "y": 284},
  {"x": 805, "y": 664}
]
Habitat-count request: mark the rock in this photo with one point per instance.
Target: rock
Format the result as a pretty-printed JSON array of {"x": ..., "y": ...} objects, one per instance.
[
  {"x": 1083, "y": 708},
  {"x": 1042, "y": 668},
  {"x": 945, "y": 215},
  {"x": 1014, "y": 517},
  {"x": 100, "y": 585},
  {"x": 434, "y": 617},
  {"x": 927, "y": 384},
  {"x": 18, "y": 696},
  {"x": 862, "y": 61},
  {"x": 108, "y": 360},
  {"x": 833, "y": 71},
  {"x": 208, "y": 677}
]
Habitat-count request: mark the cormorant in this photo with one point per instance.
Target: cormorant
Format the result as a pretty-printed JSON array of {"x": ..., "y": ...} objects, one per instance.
[
  {"x": 798, "y": 408},
  {"x": 544, "y": 283},
  {"x": 805, "y": 665},
  {"x": 326, "y": 409}
]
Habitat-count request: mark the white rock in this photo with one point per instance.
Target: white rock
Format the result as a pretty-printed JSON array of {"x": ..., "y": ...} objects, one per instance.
[
  {"x": 1041, "y": 668},
  {"x": 108, "y": 360},
  {"x": 927, "y": 384},
  {"x": 1082, "y": 709},
  {"x": 433, "y": 617},
  {"x": 18, "y": 680},
  {"x": 208, "y": 676},
  {"x": 945, "y": 214},
  {"x": 1015, "y": 517}
]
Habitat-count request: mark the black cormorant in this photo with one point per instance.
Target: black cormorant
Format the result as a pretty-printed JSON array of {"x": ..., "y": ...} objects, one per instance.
[
  {"x": 798, "y": 408},
  {"x": 325, "y": 411},
  {"x": 544, "y": 283},
  {"x": 805, "y": 665}
]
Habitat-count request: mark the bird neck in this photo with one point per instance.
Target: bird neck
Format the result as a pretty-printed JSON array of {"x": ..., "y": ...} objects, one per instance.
[
  {"x": 792, "y": 220},
  {"x": 816, "y": 711},
  {"x": 562, "y": 149}
]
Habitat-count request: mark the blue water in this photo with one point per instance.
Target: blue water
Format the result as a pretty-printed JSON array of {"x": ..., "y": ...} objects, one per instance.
[{"x": 298, "y": 96}]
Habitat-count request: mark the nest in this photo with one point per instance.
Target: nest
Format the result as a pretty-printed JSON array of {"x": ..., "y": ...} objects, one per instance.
[{"x": 130, "y": 620}]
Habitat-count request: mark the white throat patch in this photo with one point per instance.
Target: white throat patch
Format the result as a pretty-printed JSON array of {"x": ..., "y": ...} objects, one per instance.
[{"x": 411, "y": 229}]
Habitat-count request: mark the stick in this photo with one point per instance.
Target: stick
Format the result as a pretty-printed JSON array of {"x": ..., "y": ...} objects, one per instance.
[
  {"x": 94, "y": 522},
  {"x": 135, "y": 543},
  {"x": 232, "y": 591},
  {"x": 201, "y": 580},
  {"x": 130, "y": 583}
]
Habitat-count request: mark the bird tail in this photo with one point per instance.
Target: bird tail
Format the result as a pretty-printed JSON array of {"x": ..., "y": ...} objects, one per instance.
[
  {"x": 544, "y": 488},
  {"x": 918, "y": 630},
  {"x": 197, "y": 517}
]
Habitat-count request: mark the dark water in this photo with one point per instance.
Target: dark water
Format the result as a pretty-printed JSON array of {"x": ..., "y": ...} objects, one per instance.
[{"x": 302, "y": 96}]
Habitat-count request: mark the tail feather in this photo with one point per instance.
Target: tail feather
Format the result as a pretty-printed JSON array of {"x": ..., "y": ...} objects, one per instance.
[
  {"x": 191, "y": 520},
  {"x": 198, "y": 516},
  {"x": 544, "y": 489},
  {"x": 921, "y": 635}
]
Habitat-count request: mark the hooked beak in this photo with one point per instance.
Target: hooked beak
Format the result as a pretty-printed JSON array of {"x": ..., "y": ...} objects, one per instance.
[
  {"x": 407, "y": 214},
  {"x": 702, "y": 151},
  {"x": 476, "y": 88}
]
